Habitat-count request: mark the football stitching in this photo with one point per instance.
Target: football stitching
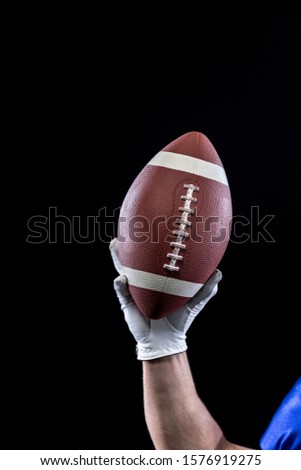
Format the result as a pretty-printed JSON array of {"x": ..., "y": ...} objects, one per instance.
[{"x": 181, "y": 233}]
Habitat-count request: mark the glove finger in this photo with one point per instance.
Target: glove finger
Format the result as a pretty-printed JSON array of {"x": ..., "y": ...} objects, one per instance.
[
  {"x": 208, "y": 290},
  {"x": 178, "y": 318},
  {"x": 114, "y": 254}
]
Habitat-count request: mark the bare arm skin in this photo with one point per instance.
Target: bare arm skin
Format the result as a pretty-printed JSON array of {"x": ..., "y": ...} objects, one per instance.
[{"x": 176, "y": 417}]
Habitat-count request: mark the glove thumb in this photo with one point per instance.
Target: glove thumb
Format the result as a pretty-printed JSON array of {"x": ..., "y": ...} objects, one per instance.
[
  {"x": 137, "y": 323},
  {"x": 122, "y": 291},
  {"x": 114, "y": 254}
]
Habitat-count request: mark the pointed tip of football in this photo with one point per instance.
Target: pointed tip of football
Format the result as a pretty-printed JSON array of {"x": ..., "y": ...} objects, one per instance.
[
  {"x": 194, "y": 144},
  {"x": 168, "y": 247}
]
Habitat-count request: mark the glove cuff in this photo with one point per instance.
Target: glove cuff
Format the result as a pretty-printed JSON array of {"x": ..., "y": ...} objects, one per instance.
[{"x": 147, "y": 354}]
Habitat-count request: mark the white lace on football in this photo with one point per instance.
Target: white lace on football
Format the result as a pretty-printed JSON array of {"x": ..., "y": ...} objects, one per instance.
[{"x": 181, "y": 233}]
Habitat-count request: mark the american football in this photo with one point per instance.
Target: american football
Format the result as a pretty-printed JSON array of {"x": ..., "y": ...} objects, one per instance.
[{"x": 174, "y": 224}]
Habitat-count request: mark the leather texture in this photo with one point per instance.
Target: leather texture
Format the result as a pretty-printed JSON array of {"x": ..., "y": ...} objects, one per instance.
[{"x": 148, "y": 218}]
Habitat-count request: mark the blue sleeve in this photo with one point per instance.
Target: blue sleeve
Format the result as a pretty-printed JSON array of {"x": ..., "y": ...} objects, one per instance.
[{"x": 284, "y": 430}]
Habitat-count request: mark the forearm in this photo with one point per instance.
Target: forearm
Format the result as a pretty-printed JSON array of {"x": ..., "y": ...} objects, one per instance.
[{"x": 175, "y": 415}]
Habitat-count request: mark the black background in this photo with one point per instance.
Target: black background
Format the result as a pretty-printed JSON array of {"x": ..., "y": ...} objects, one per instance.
[{"x": 100, "y": 92}]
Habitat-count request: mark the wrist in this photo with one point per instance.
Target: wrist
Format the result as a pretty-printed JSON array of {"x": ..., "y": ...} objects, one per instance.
[{"x": 145, "y": 353}]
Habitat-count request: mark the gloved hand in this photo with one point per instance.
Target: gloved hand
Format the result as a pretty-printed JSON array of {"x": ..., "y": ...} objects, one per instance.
[{"x": 166, "y": 336}]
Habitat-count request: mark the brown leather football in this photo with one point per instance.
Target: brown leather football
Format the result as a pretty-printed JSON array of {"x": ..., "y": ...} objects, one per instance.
[{"x": 174, "y": 224}]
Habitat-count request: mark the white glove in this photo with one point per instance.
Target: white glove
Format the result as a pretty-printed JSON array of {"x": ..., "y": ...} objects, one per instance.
[{"x": 166, "y": 336}]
